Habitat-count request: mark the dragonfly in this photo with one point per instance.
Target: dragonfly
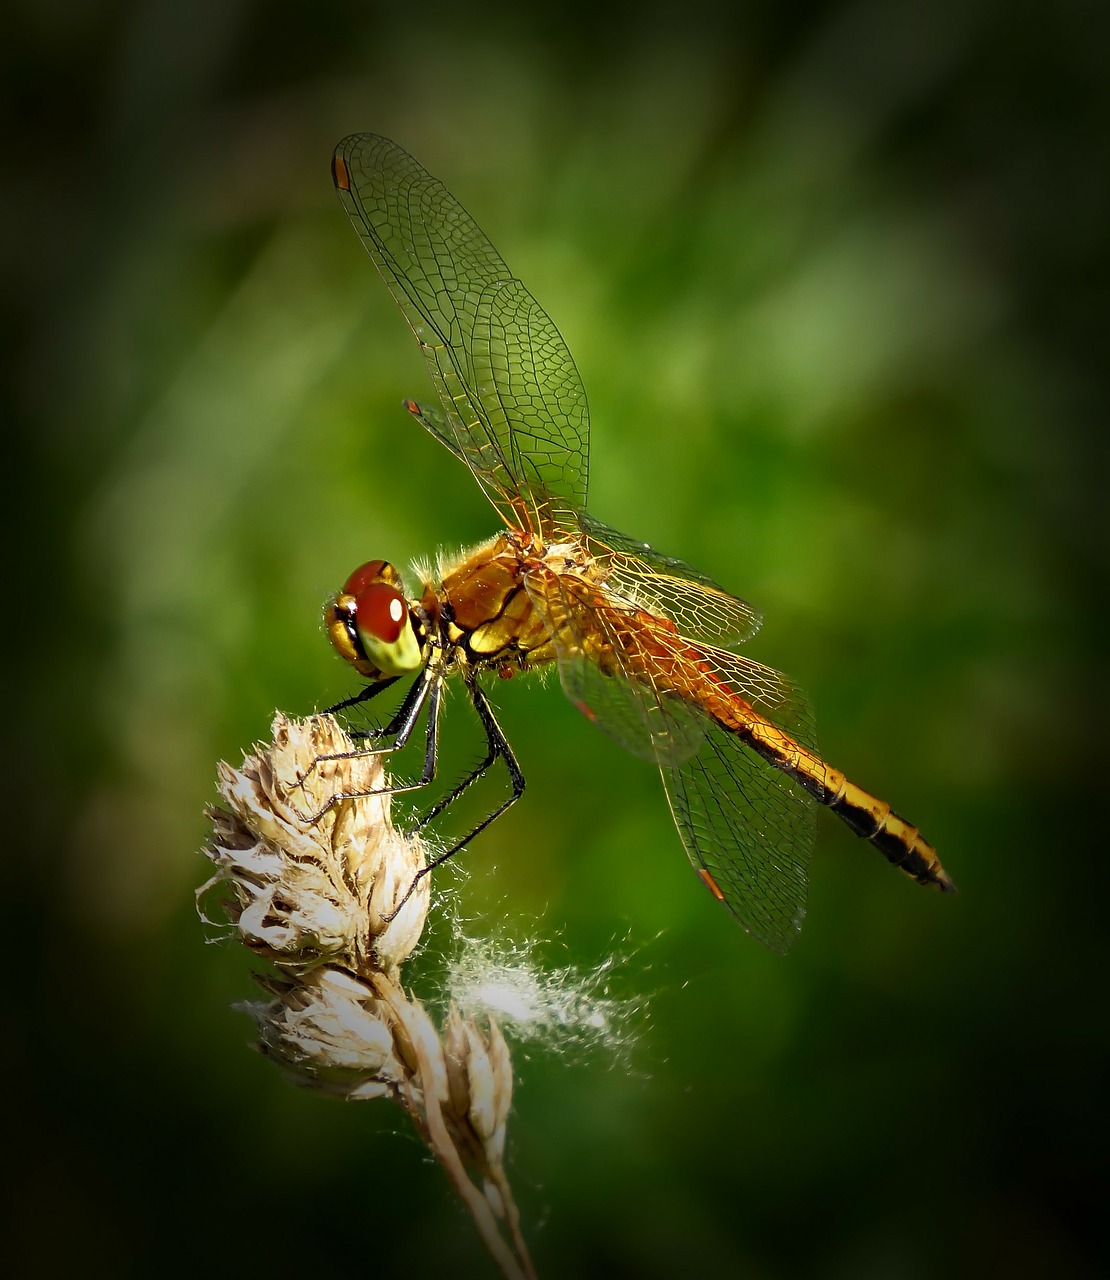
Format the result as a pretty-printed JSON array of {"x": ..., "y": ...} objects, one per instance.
[{"x": 644, "y": 644}]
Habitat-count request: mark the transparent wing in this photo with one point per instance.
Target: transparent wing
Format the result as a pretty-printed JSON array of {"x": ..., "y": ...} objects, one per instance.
[
  {"x": 591, "y": 633},
  {"x": 742, "y": 821},
  {"x": 661, "y": 584},
  {"x": 751, "y": 829},
  {"x": 640, "y": 576},
  {"x": 437, "y": 425},
  {"x": 512, "y": 399},
  {"x": 653, "y": 728}
]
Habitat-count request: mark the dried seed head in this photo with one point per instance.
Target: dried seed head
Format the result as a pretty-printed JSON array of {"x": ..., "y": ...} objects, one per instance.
[
  {"x": 323, "y": 886},
  {"x": 480, "y": 1084},
  {"x": 329, "y": 1030},
  {"x": 317, "y": 871}
]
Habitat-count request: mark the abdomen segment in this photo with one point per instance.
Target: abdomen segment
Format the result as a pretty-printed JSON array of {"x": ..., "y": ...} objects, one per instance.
[{"x": 869, "y": 817}]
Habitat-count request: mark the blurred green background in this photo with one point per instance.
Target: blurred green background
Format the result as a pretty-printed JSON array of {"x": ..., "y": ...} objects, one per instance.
[{"x": 832, "y": 275}]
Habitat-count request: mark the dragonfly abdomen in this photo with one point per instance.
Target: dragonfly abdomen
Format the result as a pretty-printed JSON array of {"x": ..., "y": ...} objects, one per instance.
[{"x": 873, "y": 819}]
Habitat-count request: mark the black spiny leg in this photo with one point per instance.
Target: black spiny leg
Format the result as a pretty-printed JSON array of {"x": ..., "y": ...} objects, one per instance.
[
  {"x": 425, "y": 688},
  {"x": 365, "y": 694},
  {"x": 498, "y": 748},
  {"x": 452, "y": 796},
  {"x": 400, "y": 726}
]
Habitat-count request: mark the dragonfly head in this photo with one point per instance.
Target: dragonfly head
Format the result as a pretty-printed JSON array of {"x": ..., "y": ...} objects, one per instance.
[{"x": 370, "y": 624}]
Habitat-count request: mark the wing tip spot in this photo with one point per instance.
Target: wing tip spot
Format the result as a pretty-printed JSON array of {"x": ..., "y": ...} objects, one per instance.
[
  {"x": 586, "y": 710},
  {"x": 711, "y": 884}
]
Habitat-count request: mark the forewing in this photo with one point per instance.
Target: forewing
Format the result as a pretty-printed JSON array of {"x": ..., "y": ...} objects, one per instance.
[
  {"x": 433, "y": 421},
  {"x": 697, "y": 605},
  {"x": 512, "y": 398}
]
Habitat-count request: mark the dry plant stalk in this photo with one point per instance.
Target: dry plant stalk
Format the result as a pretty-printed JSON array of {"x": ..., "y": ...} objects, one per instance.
[{"x": 315, "y": 891}]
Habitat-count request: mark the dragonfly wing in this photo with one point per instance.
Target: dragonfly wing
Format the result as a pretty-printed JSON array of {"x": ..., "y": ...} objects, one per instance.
[
  {"x": 697, "y": 605},
  {"x": 437, "y": 425},
  {"x": 744, "y": 823},
  {"x": 513, "y": 401},
  {"x": 589, "y": 633},
  {"x": 751, "y": 829},
  {"x": 742, "y": 820},
  {"x": 652, "y": 726},
  {"x": 768, "y": 691}
]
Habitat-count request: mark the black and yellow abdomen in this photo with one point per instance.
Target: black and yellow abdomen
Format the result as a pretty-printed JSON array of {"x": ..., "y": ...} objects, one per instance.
[{"x": 873, "y": 819}]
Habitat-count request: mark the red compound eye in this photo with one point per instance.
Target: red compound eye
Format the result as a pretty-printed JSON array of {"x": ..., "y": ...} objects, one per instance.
[
  {"x": 380, "y": 609},
  {"x": 364, "y": 575}
]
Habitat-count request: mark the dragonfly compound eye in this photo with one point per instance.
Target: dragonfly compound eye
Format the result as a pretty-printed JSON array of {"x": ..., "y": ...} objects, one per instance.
[
  {"x": 382, "y": 619},
  {"x": 368, "y": 623},
  {"x": 370, "y": 572}
]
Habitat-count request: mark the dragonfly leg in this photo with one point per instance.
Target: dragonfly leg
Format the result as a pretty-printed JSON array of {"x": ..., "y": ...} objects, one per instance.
[
  {"x": 400, "y": 726},
  {"x": 452, "y": 796},
  {"x": 365, "y": 694},
  {"x": 498, "y": 749},
  {"x": 423, "y": 690}
]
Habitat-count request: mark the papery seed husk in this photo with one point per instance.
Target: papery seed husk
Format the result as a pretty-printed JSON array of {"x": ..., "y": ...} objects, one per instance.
[
  {"x": 502, "y": 1066},
  {"x": 481, "y": 1111},
  {"x": 455, "y": 1056},
  {"x": 331, "y": 1029},
  {"x": 312, "y": 882}
]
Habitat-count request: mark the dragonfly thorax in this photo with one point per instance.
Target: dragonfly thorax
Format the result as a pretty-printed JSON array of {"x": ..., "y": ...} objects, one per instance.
[{"x": 371, "y": 625}]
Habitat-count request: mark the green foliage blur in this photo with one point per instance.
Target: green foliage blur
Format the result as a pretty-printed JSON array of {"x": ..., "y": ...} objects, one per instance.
[{"x": 830, "y": 273}]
